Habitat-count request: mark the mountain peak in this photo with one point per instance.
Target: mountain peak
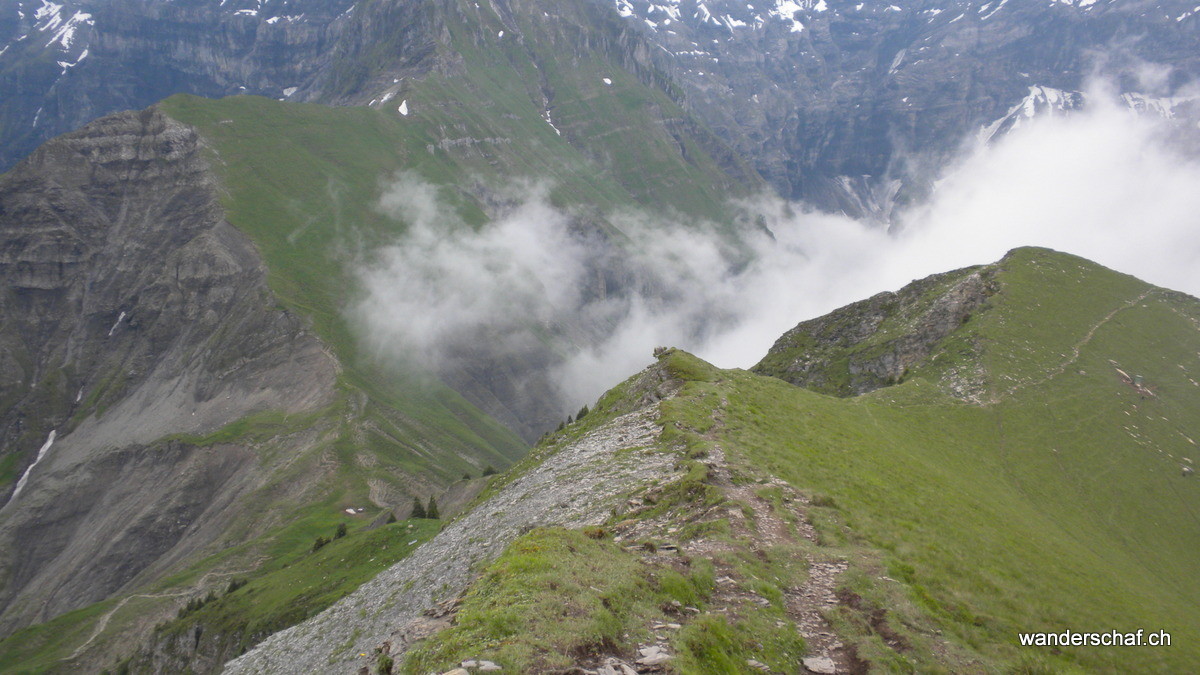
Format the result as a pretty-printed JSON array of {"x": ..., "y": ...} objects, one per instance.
[{"x": 954, "y": 328}]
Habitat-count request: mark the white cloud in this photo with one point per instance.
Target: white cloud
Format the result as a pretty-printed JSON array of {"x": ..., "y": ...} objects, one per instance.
[{"x": 1104, "y": 184}]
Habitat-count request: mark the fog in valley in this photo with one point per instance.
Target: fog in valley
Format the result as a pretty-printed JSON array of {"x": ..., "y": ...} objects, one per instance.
[{"x": 1105, "y": 183}]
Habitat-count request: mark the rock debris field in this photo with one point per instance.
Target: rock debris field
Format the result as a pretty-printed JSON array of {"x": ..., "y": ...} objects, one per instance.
[{"x": 575, "y": 487}]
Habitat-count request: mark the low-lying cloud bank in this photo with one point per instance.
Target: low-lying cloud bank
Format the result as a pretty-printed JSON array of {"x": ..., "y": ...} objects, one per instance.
[{"x": 1105, "y": 184}]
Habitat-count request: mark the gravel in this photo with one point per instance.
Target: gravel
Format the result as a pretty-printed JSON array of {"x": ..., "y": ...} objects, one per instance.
[{"x": 574, "y": 487}]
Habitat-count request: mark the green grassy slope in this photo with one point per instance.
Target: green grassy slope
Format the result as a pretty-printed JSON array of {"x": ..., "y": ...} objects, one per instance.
[
  {"x": 296, "y": 583},
  {"x": 1057, "y": 503},
  {"x": 1060, "y": 504},
  {"x": 303, "y": 181},
  {"x": 306, "y": 197}
]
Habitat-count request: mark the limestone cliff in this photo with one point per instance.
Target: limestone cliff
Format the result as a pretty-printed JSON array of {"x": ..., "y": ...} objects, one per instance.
[
  {"x": 133, "y": 310},
  {"x": 875, "y": 342}
]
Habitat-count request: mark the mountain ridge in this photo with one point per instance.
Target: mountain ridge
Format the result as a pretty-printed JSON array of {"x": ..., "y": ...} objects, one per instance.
[
  {"x": 953, "y": 529},
  {"x": 856, "y": 106},
  {"x": 159, "y": 338}
]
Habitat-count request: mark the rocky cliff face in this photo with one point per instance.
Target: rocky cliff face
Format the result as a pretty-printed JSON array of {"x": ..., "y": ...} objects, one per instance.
[
  {"x": 133, "y": 310},
  {"x": 70, "y": 63},
  {"x": 851, "y": 105},
  {"x": 578, "y": 482},
  {"x": 875, "y": 342}
]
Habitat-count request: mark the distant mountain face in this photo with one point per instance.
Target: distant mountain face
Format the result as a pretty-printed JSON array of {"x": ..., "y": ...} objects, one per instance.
[
  {"x": 846, "y": 104},
  {"x": 65, "y": 64}
]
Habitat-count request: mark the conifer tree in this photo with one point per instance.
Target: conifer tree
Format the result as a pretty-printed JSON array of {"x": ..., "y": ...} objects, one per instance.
[
  {"x": 418, "y": 511},
  {"x": 432, "y": 511}
]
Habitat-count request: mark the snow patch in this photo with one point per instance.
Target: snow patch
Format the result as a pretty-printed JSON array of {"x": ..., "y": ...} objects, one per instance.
[
  {"x": 289, "y": 91},
  {"x": 546, "y": 116},
  {"x": 25, "y": 476},
  {"x": 49, "y": 12},
  {"x": 786, "y": 10},
  {"x": 67, "y": 65},
  {"x": 118, "y": 323},
  {"x": 403, "y": 107},
  {"x": 65, "y": 35},
  {"x": 1163, "y": 107},
  {"x": 1048, "y": 101},
  {"x": 995, "y": 9}
]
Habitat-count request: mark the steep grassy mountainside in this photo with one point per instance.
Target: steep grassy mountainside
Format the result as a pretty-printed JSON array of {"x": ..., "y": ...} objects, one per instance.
[
  {"x": 904, "y": 529},
  {"x": 164, "y": 416},
  {"x": 310, "y": 198},
  {"x": 112, "y": 234}
]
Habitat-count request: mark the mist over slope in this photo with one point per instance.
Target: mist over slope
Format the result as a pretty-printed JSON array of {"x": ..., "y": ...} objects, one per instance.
[
  {"x": 1026, "y": 473},
  {"x": 1105, "y": 182},
  {"x": 301, "y": 203}
]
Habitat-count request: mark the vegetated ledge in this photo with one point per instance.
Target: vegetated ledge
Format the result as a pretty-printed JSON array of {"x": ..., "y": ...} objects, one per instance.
[
  {"x": 577, "y": 485},
  {"x": 875, "y": 342},
  {"x": 670, "y": 555}
]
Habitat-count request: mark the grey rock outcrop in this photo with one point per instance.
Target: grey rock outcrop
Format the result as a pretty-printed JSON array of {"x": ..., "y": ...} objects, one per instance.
[
  {"x": 875, "y": 342},
  {"x": 853, "y": 106},
  {"x": 131, "y": 53},
  {"x": 576, "y": 486},
  {"x": 133, "y": 311}
]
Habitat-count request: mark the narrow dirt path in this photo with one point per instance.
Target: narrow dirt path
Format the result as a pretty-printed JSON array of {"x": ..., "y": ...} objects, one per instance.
[
  {"x": 757, "y": 525},
  {"x": 1075, "y": 350},
  {"x": 103, "y": 622},
  {"x": 807, "y": 603}
]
